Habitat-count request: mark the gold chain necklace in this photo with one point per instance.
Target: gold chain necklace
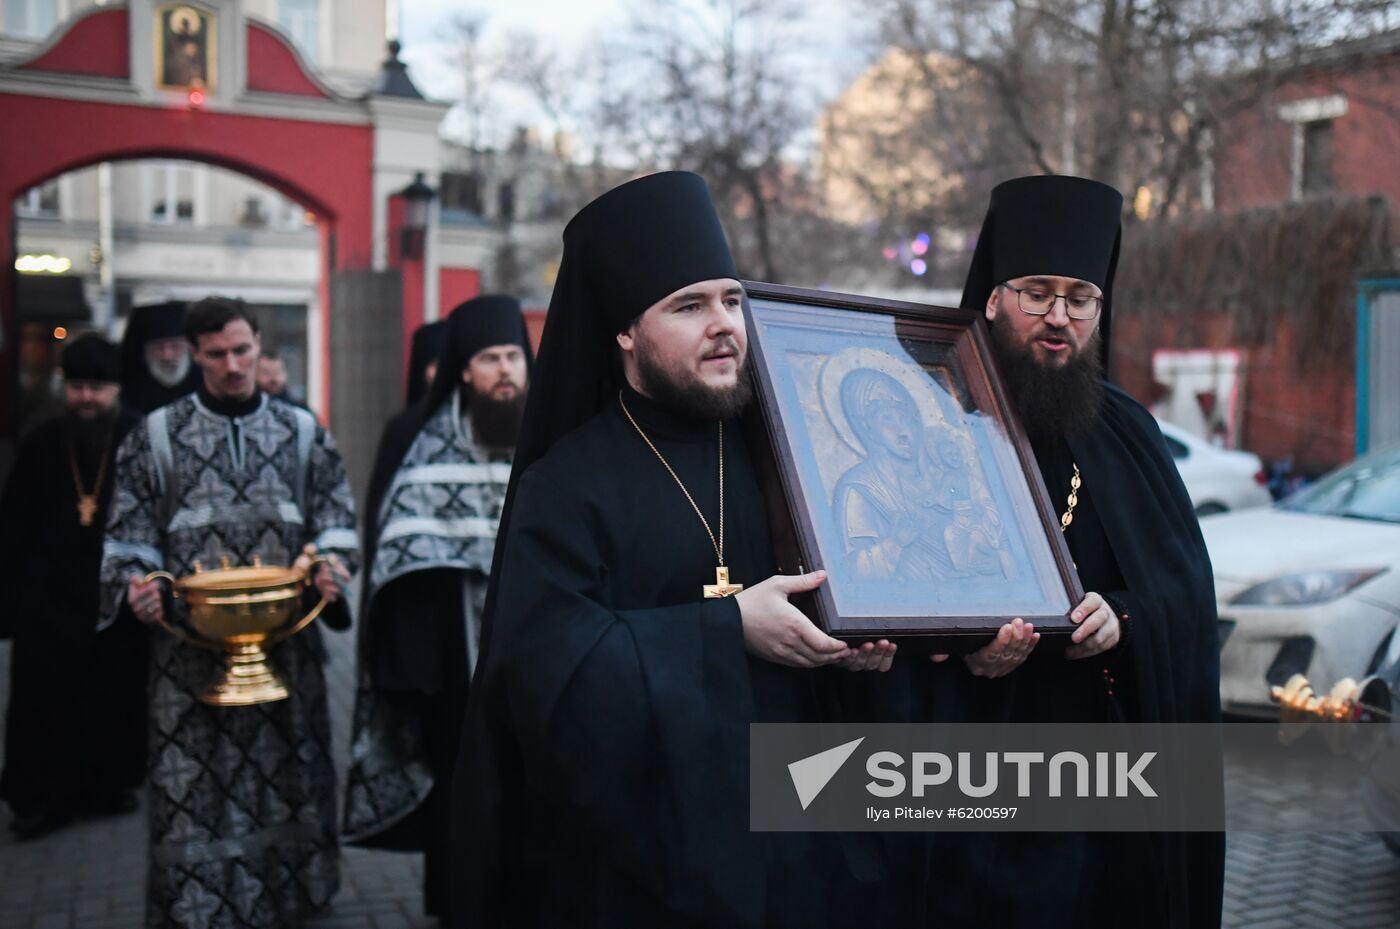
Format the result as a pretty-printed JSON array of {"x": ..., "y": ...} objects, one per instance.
[
  {"x": 1073, "y": 500},
  {"x": 87, "y": 502},
  {"x": 721, "y": 587}
]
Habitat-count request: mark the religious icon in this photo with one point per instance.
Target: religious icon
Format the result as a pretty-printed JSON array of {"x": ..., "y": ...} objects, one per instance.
[
  {"x": 899, "y": 469},
  {"x": 184, "y": 46}
]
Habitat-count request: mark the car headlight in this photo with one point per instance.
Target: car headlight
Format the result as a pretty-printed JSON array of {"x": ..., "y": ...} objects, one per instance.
[{"x": 1305, "y": 588}]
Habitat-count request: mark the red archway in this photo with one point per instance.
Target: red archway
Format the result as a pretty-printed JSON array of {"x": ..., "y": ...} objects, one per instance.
[{"x": 76, "y": 103}]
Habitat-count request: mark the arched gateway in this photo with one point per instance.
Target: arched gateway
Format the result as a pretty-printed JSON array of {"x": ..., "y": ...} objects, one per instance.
[{"x": 128, "y": 81}]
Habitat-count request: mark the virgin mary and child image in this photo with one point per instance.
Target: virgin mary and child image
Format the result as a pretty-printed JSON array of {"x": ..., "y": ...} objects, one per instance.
[{"x": 914, "y": 508}]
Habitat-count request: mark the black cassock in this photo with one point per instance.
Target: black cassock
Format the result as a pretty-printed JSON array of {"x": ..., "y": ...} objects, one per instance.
[
  {"x": 417, "y": 643},
  {"x": 1134, "y": 538},
  {"x": 414, "y": 658},
  {"x": 75, "y": 734},
  {"x": 145, "y": 394},
  {"x": 603, "y": 780}
]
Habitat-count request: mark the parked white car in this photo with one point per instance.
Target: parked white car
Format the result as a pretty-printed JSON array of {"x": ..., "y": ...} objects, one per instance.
[
  {"x": 1310, "y": 586},
  {"x": 1217, "y": 479}
]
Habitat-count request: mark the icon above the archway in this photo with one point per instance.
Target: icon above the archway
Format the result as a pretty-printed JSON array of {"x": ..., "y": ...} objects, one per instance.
[{"x": 185, "y": 47}]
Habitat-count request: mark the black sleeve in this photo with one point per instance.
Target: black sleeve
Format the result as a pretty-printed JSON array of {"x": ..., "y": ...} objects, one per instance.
[
  {"x": 394, "y": 443},
  {"x": 615, "y": 718},
  {"x": 414, "y": 633},
  {"x": 18, "y": 516}
]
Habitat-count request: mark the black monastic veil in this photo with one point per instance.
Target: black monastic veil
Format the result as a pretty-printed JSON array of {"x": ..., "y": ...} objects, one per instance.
[
  {"x": 1135, "y": 538},
  {"x": 603, "y": 771}
]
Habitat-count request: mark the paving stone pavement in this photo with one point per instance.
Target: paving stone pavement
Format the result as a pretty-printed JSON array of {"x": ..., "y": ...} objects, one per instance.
[
  {"x": 1304, "y": 879},
  {"x": 91, "y": 875}
]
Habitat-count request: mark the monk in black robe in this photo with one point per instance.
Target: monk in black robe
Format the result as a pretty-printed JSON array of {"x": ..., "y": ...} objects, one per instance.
[
  {"x": 1146, "y": 650},
  {"x": 440, "y": 483},
  {"x": 426, "y": 346},
  {"x": 428, "y": 342},
  {"x": 75, "y": 732},
  {"x": 602, "y": 780},
  {"x": 156, "y": 364}
]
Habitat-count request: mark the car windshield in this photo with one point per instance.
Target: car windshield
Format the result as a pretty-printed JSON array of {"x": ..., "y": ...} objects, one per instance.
[{"x": 1368, "y": 488}]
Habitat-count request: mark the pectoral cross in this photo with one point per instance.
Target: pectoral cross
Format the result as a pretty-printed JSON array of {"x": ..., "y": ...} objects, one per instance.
[
  {"x": 87, "y": 509},
  {"x": 721, "y": 587}
]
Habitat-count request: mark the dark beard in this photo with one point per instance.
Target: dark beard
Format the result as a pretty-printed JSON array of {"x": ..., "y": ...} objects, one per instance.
[
  {"x": 1052, "y": 402},
  {"x": 495, "y": 423},
  {"x": 694, "y": 400},
  {"x": 91, "y": 438}
]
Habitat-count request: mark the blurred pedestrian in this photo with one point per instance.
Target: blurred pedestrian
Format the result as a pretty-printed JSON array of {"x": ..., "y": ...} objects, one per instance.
[
  {"x": 272, "y": 374},
  {"x": 75, "y": 730},
  {"x": 156, "y": 364},
  {"x": 428, "y": 340}
]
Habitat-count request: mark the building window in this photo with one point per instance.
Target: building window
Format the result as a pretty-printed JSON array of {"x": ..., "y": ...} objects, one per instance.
[
  {"x": 32, "y": 19},
  {"x": 1312, "y": 120},
  {"x": 461, "y": 191},
  {"x": 287, "y": 214},
  {"x": 41, "y": 201},
  {"x": 302, "y": 21},
  {"x": 1317, "y": 157},
  {"x": 254, "y": 215},
  {"x": 271, "y": 210},
  {"x": 173, "y": 191},
  {"x": 505, "y": 202}
]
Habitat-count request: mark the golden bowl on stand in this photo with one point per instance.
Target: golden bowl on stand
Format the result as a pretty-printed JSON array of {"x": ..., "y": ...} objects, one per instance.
[{"x": 241, "y": 611}]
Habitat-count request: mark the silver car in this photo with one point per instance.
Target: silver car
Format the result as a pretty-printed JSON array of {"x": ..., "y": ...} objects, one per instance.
[
  {"x": 1217, "y": 479},
  {"x": 1310, "y": 586}
]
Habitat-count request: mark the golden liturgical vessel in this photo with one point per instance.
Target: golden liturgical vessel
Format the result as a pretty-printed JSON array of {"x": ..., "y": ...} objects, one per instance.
[{"x": 242, "y": 611}]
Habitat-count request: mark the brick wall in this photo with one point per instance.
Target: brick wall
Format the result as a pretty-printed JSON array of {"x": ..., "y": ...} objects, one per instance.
[
  {"x": 1288, "y": 410},
  {"x": 1253, "y": 160}
]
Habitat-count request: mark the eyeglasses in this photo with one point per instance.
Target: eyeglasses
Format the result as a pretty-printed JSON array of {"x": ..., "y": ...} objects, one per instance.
[{"x": 1036, "y": 301}]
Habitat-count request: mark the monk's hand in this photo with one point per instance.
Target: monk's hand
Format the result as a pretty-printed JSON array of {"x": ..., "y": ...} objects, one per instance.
[
  {"x": 330, "y": 577},
  {"x": 870, "y": 656},
  {"x": 1099, "y": 629},
  {"x": 1005, "y": 653},
  {"x": 144, "y": 599},
  {"x": 776, "y": 631}
]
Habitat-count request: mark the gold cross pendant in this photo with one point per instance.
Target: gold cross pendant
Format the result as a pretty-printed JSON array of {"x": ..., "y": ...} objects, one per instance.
[
  {"x": 87, "y": 509},
  {"x": 721, "y": 587}
]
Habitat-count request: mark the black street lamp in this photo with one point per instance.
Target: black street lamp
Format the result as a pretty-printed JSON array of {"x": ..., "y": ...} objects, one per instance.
[{"x": 417, "y": 198}]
